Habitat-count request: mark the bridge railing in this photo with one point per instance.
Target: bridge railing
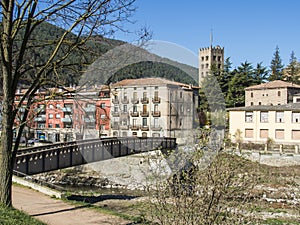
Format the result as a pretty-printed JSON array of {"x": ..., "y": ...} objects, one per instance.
[{"x": 52, "y": 157}]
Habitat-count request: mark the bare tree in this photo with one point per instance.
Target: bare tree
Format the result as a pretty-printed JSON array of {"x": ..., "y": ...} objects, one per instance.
[
  {"x": 79, "y": 21},
  {"x": 207, "y": 190}
]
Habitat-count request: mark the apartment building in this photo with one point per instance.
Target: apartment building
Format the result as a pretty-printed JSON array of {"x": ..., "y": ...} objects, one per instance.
[
  {"x": 66, "y": 114},
  {"x": 272, "y": 93},
  {"x": 258, "y": 123},
  {"x": 152, "y": 107}
]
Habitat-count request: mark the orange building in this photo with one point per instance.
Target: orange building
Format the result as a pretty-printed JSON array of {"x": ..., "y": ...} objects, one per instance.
[{"x": 66, "y": 114}]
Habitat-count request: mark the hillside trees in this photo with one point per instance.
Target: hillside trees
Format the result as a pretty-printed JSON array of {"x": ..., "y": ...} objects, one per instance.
[
  {"x": 276, "y": 66},
  {"x": 21, "y": 59},
  {"x": 293, "y": 69}
]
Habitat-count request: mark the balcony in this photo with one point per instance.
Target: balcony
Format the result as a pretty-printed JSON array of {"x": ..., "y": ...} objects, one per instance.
[
  {"x": 156, "y": 113},
  {"x": 89, "y": 120},
  {"x": 144, "y": 128},
  {"x": 90, "y": 109},
  {"x": 66, "y": 120},
  {"x": 134, "y": 127},
  {"x": 156, "y": 100},
  {"x": 156, "y": 127},
  {"x": 40, "y": 119},
  {"x": 67, "y": 110},
  {"x": 115, "y": 114},
  {"x": 135, "y": 101},
  {"x": 125, "y": 100},
  {"x": 115, "y": 126},
  {"x": 124, "y": 112},
  {"x": 144, "y": 100},
  {"x": 124, "y": 127},
  {"x": 134, "y": 114},
  {"x": 144, "y": 113},
  {"x": 115, "y": 101}
]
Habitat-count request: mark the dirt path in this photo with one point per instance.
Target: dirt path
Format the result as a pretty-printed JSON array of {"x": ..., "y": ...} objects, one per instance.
[{"x": 56, "y": 212}]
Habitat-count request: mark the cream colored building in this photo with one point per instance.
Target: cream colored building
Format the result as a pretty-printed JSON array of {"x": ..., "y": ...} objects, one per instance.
[
  {"x": 258, "y": 123},
  {"x": 272, "y": 93},
  {"x": 152, "y": 107},
  {"x": 208, "y": 57}
]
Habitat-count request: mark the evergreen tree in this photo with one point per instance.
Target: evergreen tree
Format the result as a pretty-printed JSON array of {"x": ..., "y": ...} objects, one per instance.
[
  {"x": 243, "y": 77},
  {"x": 225, "y": 76},
  {"x": 292, "y": 70},
  {"x": 276, "y": 66},
  {"x": 261, "y": 73}
]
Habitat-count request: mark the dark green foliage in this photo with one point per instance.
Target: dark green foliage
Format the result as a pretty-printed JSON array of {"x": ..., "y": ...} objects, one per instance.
[
  {"x": 292, "y": 70},
  {"x": 152, "y": 69},
  {"x": 243, "y": 77},
  {"x": 276, "y": 66}
]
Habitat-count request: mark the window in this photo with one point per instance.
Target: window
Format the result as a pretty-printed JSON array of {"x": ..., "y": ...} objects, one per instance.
[
  {"x": 180, "y": 94},
  {"x": 279, "y": 134},
  {"x": 219, "y": 58},
  {"x": 206, "y": 65},
  {"x": 202, "y": 58},
  {"x": 134, "y": 95},
  {"x": 134, "y": 108},
  {"x": 134, "y": 122},
  {"x": 156, "y": 124},
  {"x": 296, "y": 117},
  {"x": 206, "y": 58},
  {"x": 296, "y": 134},
  {"x": 102, "y": 116},
  {"x": 251, "y": 94},
  {"x": 259, "y": 103},
  {"x": 102, "y": 106},
  {"x": 102, "y": 127},
  {"x": 264, "y": 117},
  {"x": 249, "y": 117},
  {"x": 214, "y": 58},
  {"x": 251, "y": 103},
  {"x": 144, "y": 108},
  {"x": 51, "y": 106},
  {"x": 279, "y": 117},
  {"x": 57, "y": 125},
  {"x": 279, "y": 93},
  {"x": 50, "y": 116},
  {"x": 248, "y": 133},
  {"x": 264, "y": 133},
  {"x": 50, "y": 125},
  {"x": 155, "y": 108},
  {"x": 58, "y": 106},
  {"x": 116, "y": 109},
  {"x": 57, "y": 116},
  {"x": 125, "y": 108},
  {"x": 144, "y": 122}
]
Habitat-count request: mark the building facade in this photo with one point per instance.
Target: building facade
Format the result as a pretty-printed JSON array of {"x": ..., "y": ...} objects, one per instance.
[
  {"x": 272, "y": 93},
  {"x": 207, "y": 58},
  {"x": 256, "y": 124},
  {"x": 152, "y": 107},
  {"x": 66, "y": 114}
]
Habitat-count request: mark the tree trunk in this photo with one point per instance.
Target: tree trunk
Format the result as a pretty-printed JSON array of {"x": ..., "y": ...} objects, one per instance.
[{"x": 6, "y": 156}]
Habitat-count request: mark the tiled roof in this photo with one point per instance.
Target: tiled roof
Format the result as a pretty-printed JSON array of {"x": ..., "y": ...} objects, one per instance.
[
  {"x": 273, "y": 84},
  {"x": 290, "y": 106},
  {"x": 149, "y": 81}
]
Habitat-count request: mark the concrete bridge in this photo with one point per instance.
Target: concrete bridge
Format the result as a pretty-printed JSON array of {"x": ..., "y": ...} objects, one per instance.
[{"x": 41, "y": 159}]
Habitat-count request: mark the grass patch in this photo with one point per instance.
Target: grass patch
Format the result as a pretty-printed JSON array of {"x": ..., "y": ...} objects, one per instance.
[
  {"x": 279, "y": 222},
  {"x": 11, "y": 216}
]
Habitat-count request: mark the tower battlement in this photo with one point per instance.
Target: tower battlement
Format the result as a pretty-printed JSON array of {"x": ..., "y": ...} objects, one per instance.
[{"x": 209, "y": 56}]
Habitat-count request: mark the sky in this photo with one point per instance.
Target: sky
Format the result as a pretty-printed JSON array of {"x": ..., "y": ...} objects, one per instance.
[{"x": 248, "y": 30}]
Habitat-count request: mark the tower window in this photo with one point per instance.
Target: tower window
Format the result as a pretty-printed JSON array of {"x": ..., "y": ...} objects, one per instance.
[{"x": 206, "y": 58}]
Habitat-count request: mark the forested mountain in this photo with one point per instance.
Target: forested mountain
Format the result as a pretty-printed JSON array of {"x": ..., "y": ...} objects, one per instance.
[{"x": 71, "y": 71}]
